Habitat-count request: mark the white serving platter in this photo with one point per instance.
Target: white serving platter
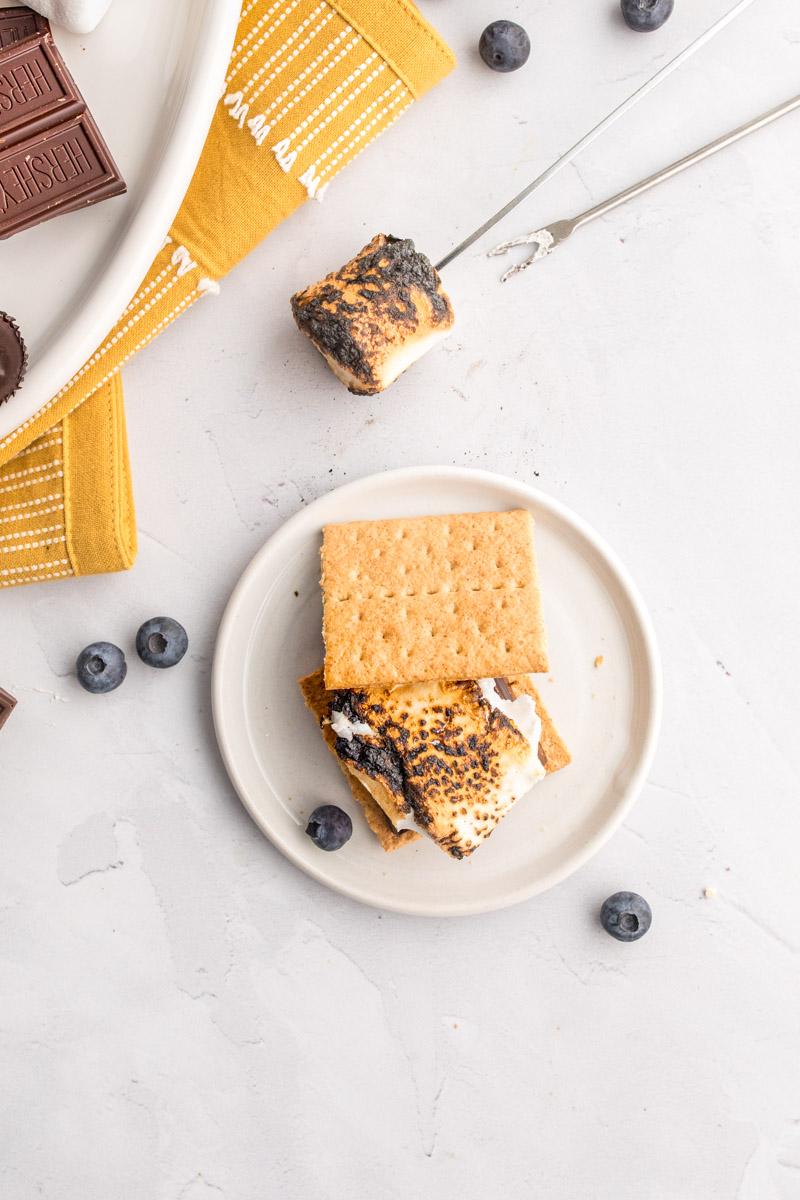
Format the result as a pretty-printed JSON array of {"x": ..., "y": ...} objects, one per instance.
[
  {"x": 151, "y": 74},
  {"x": 608, "y": 714}
]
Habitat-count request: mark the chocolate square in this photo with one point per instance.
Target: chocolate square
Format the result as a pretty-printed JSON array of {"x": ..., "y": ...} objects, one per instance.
[
  {"x": 62, "y": 168},
  {"x": 53, "y": 159},
  {"x": 36, "y": 91},
  {"x": 7, "y": 706},
  {"x": 18, "y": 24}
]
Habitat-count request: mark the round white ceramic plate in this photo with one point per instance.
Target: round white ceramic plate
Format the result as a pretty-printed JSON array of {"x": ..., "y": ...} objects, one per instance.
[
  {"x": 151, "y": 73},
  {"x": 608, "y": 715}
]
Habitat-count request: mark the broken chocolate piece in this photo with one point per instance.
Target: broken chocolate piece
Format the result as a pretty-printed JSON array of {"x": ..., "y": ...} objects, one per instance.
[
  {"x": 53, "y": 158},
  {"x": 13, "y": 357},
  {"x": 36, "y": 91},
  {"x": 63, "y": 168},
  {"x": 377, "y": 315},
  {"x": 18, "y": 24},
  {"x": 503, "y": 689},
  {"x": 7, "y": 705}
]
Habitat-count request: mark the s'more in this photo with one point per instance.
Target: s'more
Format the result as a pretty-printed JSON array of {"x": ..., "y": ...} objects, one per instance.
[{"x": 433, "y": 627}]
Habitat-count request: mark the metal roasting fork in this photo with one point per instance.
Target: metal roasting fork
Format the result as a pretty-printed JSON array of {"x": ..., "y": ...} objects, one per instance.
[
  {"x": 567, "y": 157},
  {"x": 548, "y": 238}
]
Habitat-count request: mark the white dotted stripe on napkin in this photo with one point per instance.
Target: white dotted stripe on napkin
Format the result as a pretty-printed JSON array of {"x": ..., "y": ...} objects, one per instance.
[
  {"x": 57, "y": 562},
  {"x": 260, "y": 127},
  {"x": 286, "y": 155},
  {"x": 288, "y": 10},
  {"x": 48, "y": 543},
  {"x": 312, "y": 178},
  {"x": 239, "y": 47},
  {"x": 240, "y": 108},
  {"x": 32, "y": 513},
  {"x": 30, "y": 471},
  {"x": 309, "y": 70},
  {"x": 35, "y": 578},
  {"x": 37, "y": 446},
  {"x": 18, "y": 535},
  {"x": 303, "y": 44}
]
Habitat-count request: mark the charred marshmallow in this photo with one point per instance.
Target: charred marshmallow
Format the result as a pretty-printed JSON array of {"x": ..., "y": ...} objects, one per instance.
[{"x": 377, "y": 315}]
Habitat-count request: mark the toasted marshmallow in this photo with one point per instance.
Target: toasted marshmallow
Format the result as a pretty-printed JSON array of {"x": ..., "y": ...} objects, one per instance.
[
  {"x": 448, "y": 759},
  {"x": 377, "y": 315}
]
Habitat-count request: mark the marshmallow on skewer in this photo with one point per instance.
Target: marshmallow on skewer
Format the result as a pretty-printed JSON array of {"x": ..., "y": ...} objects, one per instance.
[{"x": 377, "y": 315}]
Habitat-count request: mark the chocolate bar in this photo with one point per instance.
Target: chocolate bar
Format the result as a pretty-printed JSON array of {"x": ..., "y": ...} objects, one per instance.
[
  {"x": 36, "y": 91},
  {"x": 7, "y": 705},
  {"x": 17, "y": 24},
  {"x": 53, "y": 158},
  {"x": 61, "y": 169}
]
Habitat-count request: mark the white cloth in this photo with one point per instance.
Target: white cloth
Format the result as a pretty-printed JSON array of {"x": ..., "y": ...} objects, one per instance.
[{"x": 78, "y": 16}]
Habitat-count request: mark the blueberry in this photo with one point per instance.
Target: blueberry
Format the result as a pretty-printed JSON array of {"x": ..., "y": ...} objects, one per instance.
[
  {"x": 101, "y": 667},
  {"x": 645, "y": 15},
  {"x": 161, "y": 642},
  {"x": 504, "y": 46},
  {"x": 329, "y": 827},
  {"x": 626, "y": 916}
]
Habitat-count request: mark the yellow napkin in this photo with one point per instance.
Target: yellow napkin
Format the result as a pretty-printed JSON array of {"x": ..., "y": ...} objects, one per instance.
[{"x": 310, "y": 84}]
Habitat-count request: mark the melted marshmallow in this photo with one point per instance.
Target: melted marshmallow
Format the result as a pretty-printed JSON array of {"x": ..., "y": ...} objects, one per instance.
[{"x": 343, "y": 727}]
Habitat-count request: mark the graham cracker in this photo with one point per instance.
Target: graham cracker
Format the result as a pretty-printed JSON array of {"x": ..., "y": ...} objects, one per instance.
[
  {"x": 318, "y": 701},
  {"x": 553, "y": 754},
  {"x": 427, "y": 598}
]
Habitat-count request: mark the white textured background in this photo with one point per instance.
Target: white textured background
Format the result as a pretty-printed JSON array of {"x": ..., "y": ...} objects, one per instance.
[{"x": 183, "y": 1016}]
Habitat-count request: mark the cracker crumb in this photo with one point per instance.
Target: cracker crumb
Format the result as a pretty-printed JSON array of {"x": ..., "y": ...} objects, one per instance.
[
  {"x": 709, "y": 893},
  {"x": 598, "y": 662}
]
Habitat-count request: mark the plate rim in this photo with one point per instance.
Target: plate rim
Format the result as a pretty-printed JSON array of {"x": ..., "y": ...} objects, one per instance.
[
  {"x": 634, "y": 784},
  {"x": 147, "y": 225}
]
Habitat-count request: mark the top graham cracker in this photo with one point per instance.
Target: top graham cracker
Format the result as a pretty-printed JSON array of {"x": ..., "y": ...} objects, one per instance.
[{"x": 431, "y": 598}]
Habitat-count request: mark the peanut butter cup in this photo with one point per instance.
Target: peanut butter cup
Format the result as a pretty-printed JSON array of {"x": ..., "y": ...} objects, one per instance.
[{"x": 13, "y": 357}]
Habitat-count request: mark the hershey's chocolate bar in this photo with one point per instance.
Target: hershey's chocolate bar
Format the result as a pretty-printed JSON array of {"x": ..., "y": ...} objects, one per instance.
[
  {"x": 7, "y": 705},
  {"x": 62, "y": 168},
  {"x": 17, "y": 24},
  {"x": 53, "y": 158},
  {"x": 36, "y": 91}
]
